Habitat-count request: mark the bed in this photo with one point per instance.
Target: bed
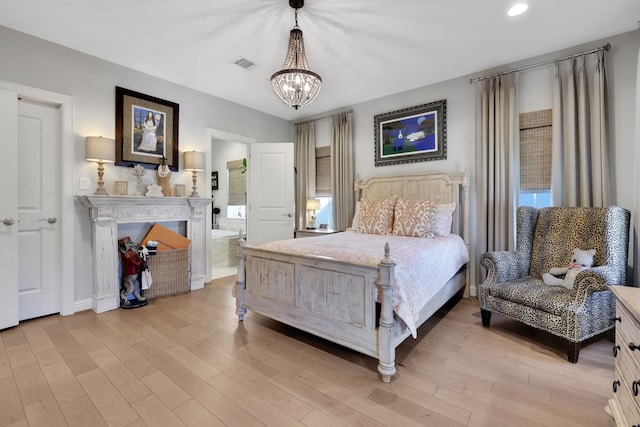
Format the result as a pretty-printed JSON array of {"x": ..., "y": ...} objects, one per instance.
[{"x": 356, "y": 302}]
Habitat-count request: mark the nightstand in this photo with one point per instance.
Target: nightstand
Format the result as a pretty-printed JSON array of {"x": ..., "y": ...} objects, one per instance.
[{"x": 314, "y": 233}]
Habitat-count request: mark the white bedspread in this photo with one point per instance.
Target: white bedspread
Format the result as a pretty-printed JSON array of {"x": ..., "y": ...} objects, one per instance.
[{"x": 423, "y": 265}]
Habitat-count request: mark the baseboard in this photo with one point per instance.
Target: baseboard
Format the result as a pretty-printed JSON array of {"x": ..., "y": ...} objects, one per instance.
[{"x": 83, "y": 305}]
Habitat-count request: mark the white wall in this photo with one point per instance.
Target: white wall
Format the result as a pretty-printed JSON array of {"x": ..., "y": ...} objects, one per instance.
[
  {"x": 535, "y": 93},
  {"x": 91, "y": 82}
]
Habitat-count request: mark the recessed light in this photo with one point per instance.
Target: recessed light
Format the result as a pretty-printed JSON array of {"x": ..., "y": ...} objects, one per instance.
[{"x": 517, "y": 9}]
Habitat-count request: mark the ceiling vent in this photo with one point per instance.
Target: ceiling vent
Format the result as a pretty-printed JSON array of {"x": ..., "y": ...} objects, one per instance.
[{"x": 244, "y": 63}]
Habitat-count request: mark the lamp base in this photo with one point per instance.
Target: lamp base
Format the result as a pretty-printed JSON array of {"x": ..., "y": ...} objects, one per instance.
[
  {"x": 194, "y": 189},
  {"x": 100, "y": 191}
]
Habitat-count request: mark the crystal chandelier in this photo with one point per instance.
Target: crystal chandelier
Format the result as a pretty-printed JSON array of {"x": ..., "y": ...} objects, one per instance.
[{"x": 295, "y": 84}]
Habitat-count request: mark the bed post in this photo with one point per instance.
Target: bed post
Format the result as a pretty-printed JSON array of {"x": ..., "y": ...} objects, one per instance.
[
  {"x": 386, "y": 349},
  {"x": 241, "y": 310}
]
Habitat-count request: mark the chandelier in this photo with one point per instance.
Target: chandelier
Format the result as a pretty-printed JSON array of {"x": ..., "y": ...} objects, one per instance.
[{"x": 295, "y": 84}]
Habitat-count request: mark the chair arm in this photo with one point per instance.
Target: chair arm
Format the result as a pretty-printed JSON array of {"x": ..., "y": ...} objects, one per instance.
[
  {"x": 593, "y": 280},
  {"x": 503, "y": 266}
]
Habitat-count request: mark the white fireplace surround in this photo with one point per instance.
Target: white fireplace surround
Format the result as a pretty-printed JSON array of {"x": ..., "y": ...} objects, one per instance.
[{"x": 106, "y": 212}]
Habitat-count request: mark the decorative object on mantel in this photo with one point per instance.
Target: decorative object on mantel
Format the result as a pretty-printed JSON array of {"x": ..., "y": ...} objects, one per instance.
[
  {"x": 180, "y": 190},
  {"x": 154, "y": 190},
  {"x": 100, "y": 150},
  {"x": 146, "y": 130},
  {"x": 295, "y": 84},
  {"x": 194, "y": 162},
  {"x": 164, "y": 177},
  {"x": 120, "y": 188},
  {"x": 138, "y": 172}
]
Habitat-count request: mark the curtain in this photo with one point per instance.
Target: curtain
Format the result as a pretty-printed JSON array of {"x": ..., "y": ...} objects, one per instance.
[
  {"x": 342, "y": 170},
  {"x": 305, "y": 164},
  {"x": 498, "y": 162},
  {"x": 581, "y": 161}
]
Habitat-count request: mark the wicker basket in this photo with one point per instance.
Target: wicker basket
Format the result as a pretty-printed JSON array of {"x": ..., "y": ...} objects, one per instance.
[{"x": 170, "y": 273}]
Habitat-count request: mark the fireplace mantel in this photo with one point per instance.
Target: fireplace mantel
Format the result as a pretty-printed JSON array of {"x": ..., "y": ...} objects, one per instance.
[{"x": 106, "y": 212}]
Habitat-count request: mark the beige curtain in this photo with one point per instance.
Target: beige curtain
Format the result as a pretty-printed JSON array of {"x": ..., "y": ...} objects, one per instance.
[
  {"x": 305, "y": 163},
  {"x": 342, "y": 170},
  {"x": 581, "y": 161},
  {"x": 497, "y": 167}
]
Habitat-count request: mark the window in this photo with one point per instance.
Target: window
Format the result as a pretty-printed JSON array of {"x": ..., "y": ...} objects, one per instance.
[
  {"x": 535, "y": 158},
  {"x": 323, "y": 186}
]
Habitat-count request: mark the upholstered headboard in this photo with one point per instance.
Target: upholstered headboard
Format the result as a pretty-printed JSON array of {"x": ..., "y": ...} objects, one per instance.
[{"x": 444, "y": 187}]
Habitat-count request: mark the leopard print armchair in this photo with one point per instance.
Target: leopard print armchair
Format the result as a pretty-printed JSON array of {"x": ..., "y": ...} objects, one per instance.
[{"x": 546, "y": 238}]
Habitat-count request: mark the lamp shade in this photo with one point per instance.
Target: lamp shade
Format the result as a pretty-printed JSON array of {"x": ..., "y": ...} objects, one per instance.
[
  {"x": 99, "y": 149},
  {"x": 193, "y": 160},
  {"x": 313, "y": 204}
]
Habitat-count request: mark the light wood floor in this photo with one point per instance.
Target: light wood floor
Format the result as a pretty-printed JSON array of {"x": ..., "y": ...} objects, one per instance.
[{"x": 187, "y": 360}]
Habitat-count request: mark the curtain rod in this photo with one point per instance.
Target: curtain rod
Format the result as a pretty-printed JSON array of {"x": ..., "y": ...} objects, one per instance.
[
  {"x": 539, "y": 64},
  {"x": 323, "y": 117}
]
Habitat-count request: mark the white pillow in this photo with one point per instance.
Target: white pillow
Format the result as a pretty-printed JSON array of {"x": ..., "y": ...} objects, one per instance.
[{"x": 441, "y": 225}]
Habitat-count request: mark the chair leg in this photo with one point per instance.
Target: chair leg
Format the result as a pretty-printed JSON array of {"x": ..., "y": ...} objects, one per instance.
[
  {"x": 486, "y": 317},
  {"x": 573, "y": 351}
]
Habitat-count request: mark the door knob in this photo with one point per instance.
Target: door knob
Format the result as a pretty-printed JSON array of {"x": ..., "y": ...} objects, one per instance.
[
  {"x": 8, "y": 222},
  {"x": 287, "y": 215},
  {"x": 50, "y": 220}
]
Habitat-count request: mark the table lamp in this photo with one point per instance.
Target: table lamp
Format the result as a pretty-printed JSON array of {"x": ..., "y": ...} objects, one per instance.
[
  {"x": 100, "y": 150},
  {"x": 312, "y": 205},
  {"x": 194, "y": 162}
]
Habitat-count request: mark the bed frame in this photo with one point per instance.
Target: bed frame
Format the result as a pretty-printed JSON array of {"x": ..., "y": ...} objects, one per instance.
[{"x": 336, "y": 300}]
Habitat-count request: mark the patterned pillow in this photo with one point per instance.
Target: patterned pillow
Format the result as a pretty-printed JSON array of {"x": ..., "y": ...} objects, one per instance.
[
  {"x": 376, "y": 217},
  {"x": 413, "y": 218},
  {"x": 441, "y": 225}
]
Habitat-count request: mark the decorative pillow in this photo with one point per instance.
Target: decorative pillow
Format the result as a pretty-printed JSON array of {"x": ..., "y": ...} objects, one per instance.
[
  {"x": 413, "y": 218},
  {"x": 356, "y": 217},
  {"x": 441, "y": 225},
  {"x": 376, "y": 217}
]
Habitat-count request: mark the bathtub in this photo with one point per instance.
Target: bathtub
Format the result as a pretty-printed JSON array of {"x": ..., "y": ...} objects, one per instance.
[
  {"x": 223, "y": 248},
  {"x": 223, "y": 234}
]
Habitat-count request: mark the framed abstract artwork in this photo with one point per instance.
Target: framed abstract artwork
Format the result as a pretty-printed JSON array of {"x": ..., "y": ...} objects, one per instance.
[
  {"x": 146, "y": 130},
  {"x": 415, "y": 134}
]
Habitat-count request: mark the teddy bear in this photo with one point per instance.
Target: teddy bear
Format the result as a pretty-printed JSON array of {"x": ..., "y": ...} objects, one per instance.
[{"x": 580, "y": 260}]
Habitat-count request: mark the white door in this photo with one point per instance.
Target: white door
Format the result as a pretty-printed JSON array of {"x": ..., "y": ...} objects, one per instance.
[
  {"x": 8, "y": 210},
  {"x": 271, "y": 192},
  {"x": 38, "y": 210}
]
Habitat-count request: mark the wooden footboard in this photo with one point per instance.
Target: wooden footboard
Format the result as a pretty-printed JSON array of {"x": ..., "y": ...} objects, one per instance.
[{"x": 328, "y": 298}]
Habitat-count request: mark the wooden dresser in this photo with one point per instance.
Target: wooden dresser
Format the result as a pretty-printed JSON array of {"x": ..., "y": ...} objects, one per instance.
[{"x": 625, "y": 405}]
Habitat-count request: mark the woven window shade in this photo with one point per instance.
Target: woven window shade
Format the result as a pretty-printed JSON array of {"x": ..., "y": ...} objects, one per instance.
[
  {"x": 237, "y": 183},
  {"x": 323, "y": 171},
  {"x": 535, "y": 151}
]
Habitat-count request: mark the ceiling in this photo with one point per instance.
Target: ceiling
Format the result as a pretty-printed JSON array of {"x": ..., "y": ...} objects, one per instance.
[{"x": 362, "y": 49}]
